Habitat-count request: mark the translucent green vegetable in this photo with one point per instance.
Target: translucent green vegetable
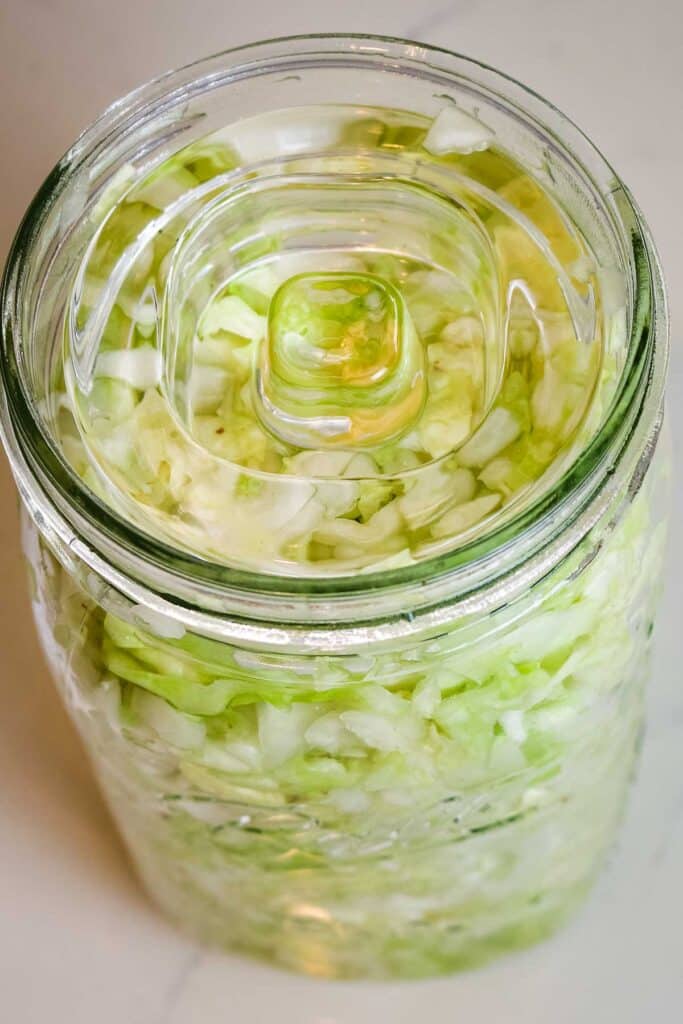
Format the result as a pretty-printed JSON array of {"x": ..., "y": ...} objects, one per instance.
[{"x": 405, "y": 812}]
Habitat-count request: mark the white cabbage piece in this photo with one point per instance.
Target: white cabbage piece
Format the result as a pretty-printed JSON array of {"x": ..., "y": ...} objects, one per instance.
[
  {"x": 139, "y": 367},
  {"x": 455, "y": 131}
]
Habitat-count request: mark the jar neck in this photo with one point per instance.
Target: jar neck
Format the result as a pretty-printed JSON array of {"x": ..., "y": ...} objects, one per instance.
[{"x": 145, "y": 128}]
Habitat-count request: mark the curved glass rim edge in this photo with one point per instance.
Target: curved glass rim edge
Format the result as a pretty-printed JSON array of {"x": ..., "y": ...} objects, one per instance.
[{"x": 143, "y": 545}]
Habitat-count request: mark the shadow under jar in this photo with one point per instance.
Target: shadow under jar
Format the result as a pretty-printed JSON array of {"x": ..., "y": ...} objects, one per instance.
[{"x": 334, "y": 425}]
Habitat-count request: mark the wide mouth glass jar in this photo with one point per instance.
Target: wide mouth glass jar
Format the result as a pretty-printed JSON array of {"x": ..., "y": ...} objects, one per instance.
[{"x": 332, "y": 381}]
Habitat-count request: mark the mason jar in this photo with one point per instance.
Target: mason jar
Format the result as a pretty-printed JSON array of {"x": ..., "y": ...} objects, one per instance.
[{"x": 379, "y": 750}]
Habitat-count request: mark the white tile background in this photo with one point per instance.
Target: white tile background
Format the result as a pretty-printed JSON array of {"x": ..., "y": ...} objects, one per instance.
[{"x": 78, "y": 941}]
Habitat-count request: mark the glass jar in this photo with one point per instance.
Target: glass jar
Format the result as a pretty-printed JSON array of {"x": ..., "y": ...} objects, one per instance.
[{"x": 390, "y": 773}]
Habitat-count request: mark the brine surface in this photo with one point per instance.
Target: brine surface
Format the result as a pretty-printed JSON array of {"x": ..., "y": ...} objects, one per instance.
[{"x": 333, "y": 339}]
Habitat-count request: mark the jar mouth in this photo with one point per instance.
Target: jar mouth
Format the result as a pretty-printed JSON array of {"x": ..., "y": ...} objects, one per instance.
[{"x": 57, "y": 493}]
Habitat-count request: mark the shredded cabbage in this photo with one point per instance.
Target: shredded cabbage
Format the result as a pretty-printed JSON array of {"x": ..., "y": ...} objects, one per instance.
[
  {"x": 323, "y": 407},
  {"x": 425, "y": 807},
  {"x": 455, "y": 131},
  {"x": 139, "y": 367}
]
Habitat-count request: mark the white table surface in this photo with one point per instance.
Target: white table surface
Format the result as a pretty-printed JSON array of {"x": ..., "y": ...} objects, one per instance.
[{"x": 79, "y": 943}]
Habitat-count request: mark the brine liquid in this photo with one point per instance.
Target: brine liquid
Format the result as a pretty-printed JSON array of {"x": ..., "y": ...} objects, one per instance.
[{"x": 317, "y": 342}]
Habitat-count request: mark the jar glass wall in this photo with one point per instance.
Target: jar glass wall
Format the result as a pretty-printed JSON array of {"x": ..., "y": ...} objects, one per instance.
[{"x": 413, "y": 763}]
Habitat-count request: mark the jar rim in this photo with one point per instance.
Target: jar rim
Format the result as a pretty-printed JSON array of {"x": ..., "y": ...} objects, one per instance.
[{"x": 124, "y": 555}]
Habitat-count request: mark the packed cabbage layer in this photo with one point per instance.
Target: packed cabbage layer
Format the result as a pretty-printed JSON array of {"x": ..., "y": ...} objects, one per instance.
[
  {"x": 398, "y": 813},
  {"x": 407, "y": 384}
]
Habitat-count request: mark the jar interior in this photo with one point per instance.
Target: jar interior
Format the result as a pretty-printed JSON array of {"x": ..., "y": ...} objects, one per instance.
[{"x": 305, "y": 189}]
